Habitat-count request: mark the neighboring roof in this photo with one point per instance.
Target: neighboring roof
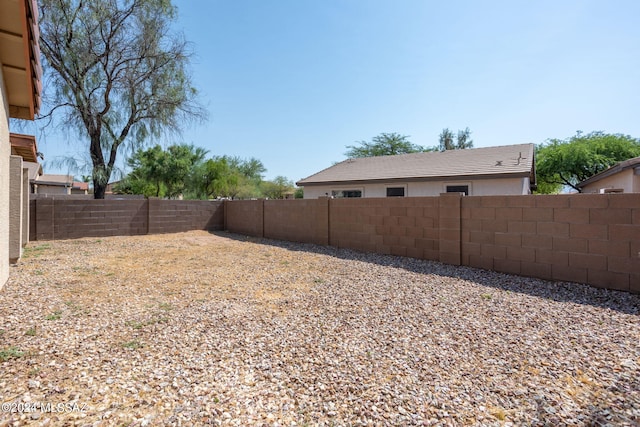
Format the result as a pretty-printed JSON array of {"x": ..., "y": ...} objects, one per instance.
[
  {"x": 20, "y": 57},
  {"x": 513, "y": 160},
  {"x": 81, "y": 185},
  {"x": 24, "y": 146},
  {"x": 618, "y": 167},
  {"x": 35, "y": 170},
  {"x": 50, "y": 179}
]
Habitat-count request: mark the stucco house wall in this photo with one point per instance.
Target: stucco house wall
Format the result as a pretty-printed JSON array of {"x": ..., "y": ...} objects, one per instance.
[
  {"x": 477, "y": 187},
  {"x": 5, "y": 151},
  {"x": 51, "y": 189},
  {"x": 626, "y": 180}
]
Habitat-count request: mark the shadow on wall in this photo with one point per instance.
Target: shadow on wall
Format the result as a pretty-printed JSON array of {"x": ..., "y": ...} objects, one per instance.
[{"x": 576, "y": 293}]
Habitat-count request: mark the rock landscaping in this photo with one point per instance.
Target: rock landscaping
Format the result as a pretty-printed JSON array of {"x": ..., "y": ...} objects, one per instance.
[{"x": 218, "y": 329}]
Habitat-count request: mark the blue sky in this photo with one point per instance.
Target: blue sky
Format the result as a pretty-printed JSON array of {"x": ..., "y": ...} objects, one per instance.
[{"x": 293, "y": 82}]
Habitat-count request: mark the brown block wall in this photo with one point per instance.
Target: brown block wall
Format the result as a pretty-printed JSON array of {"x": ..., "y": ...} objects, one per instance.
[
  {"x": 175, "y": 216},
  {"x": 75, "y": 218},
  {"x": 70, "y": 218},
  {"x": 302, "y": 221},
  {"x": 398, "y": 226},
  {"x": 450, "y": 228},
  {"x": 245, "y": 217},
  {"x": 586, "y": 238}
]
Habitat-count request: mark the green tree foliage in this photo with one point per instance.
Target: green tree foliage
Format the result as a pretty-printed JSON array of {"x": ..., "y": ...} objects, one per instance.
[
  {"x": 160, "y": 173},
  {"x": 385, "y": 144},
  {"x": 183, "y": 171},
  {"x": 278, "y": 188},
  {"x": 567, "y": 162},
  {"x": 462, "y": 141},
  {"x": 116, "y": 73}
]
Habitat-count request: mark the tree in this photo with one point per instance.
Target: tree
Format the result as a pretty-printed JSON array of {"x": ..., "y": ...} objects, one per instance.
[
  {"x": 225, "y": 176},
  {"x": 278, "y": 188},
  {"x": 117, "y": 73},
  {"x": 179, "y": 163},
  {"x": 567, "y": 162},
  {"x": 385, "y": 144},
  {"x": 463, "y": 140},
  {"x": 162, "y": 173}
]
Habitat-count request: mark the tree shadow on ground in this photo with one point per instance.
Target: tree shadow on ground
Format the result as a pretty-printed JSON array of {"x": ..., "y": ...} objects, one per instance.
[{"x": 576, "y": 293}]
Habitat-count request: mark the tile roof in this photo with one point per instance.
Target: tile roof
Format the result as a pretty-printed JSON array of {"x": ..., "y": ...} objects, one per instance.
[{"x": 515, "y": 160}]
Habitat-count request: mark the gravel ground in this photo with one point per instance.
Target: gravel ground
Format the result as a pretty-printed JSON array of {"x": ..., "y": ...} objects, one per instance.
[{"x": 216, "y": 329}]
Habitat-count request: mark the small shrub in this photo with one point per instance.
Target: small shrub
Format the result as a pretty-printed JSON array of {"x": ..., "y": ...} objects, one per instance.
[
  {"x": 31, "y": 332},
  {"x": 166, "y": 306},
  {"x": 10, "y": 353},
  {"x": 133, "y": 345},
  {"x": 55, "y": 315}
]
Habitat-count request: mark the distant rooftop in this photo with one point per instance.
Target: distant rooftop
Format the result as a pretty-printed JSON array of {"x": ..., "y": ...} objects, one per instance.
[
  {"x": 512, "y": 160},
  {"x": 618, "y": 167}
]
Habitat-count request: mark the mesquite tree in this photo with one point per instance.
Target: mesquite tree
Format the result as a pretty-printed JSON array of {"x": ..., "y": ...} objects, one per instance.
[{"x": 116, "y": 73}]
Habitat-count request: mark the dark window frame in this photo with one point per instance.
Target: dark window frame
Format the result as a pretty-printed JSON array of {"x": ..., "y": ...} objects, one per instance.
[
  {"x": 396, "y": 190},
  {"x": 347, "y": 194},
  {"x": 458, "y": 189}
]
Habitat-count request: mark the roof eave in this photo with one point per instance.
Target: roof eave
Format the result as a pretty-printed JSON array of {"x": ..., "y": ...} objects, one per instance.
[
  {"x": 20, "y": 58},
  {"x": 617, "y": 168},
  {"x": 523, "y": 174}
]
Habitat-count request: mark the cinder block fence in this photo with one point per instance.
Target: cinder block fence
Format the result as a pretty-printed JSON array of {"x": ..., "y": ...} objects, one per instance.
[
  {"x": 70, "y": 218},
  {"x": 585, "y": 238}
]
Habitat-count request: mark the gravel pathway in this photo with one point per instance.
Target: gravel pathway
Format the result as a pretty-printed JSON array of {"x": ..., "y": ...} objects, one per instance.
[{"x": 216, "y": 329}]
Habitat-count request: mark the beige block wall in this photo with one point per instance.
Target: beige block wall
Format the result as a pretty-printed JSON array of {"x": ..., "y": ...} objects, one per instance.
[
  {"x": 5, "y": 152},
  {"x": 25, "y": 206},
  {"x": 15, "y": 208}
]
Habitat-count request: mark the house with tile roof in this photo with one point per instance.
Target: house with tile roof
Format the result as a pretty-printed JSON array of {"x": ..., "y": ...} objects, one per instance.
[
  {"x": 52, "y": 185},
  {"x": 503, "y": 170},
  {"x": 623, "y": 177}
]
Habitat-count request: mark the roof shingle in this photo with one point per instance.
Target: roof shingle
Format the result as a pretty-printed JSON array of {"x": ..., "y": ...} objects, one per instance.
[{"x": 490, "y": 161}]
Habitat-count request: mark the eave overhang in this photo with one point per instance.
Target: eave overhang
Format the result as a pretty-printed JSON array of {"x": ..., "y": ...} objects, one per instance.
[{"x": 20, "y": 57}]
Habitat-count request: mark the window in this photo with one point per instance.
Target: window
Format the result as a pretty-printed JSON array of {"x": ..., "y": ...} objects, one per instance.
[
  {"x": 458, "y": 189},
  {"x": 395, "y": 191},
  {"x": 346, "y": 193}
]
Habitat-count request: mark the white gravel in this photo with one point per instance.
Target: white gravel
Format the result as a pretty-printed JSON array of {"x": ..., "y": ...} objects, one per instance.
[{"x": 217, "y": 329}]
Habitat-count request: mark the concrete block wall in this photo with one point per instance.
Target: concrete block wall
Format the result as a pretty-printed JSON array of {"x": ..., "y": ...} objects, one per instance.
[
  {"x": 68, "y": 218},
  {"x": 15, "y": 208},
  {"x": 585, "y": 238},
  {"x": 406, "y": 226},
  {"x": 302, "y": 221},
  {"x": 174, "y": 216},
  {"x": 245, "y": 217},
  {"x": 58, "y": 218}
]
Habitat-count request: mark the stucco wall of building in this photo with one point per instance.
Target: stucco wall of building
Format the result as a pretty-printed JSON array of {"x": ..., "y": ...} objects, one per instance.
[
  {"x": 5, "y": 152},
  {"x": 52, "y": 189},
  {"x": 477, "y": 187},
  {"x": 625, "y": 180}
]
